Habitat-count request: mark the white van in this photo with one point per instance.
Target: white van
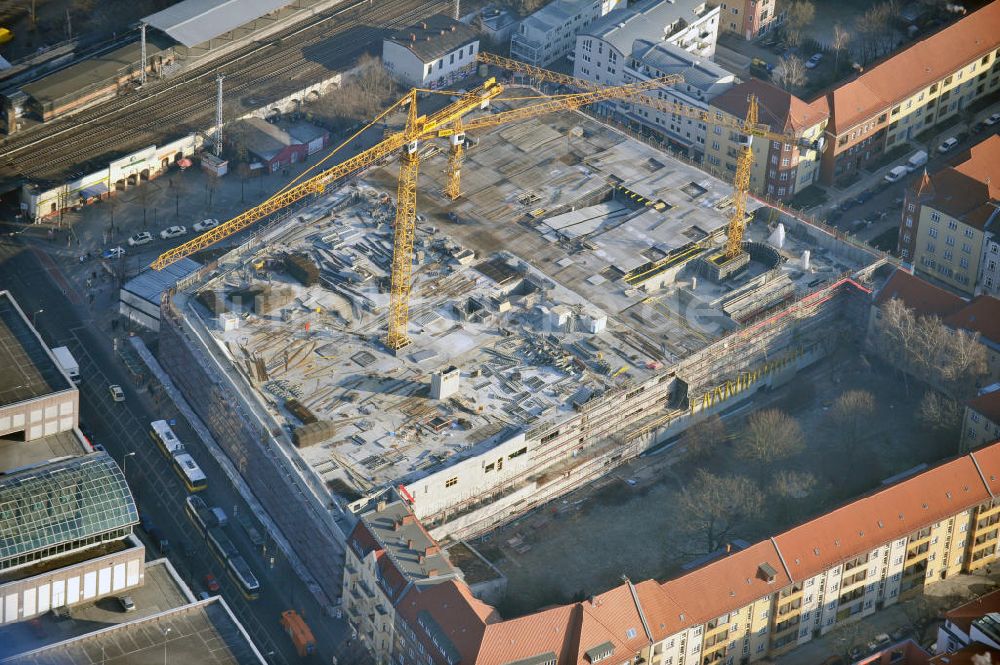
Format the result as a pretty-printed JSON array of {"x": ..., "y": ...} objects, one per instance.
[
  {"x": 896, "y": 173},
  {"x": 916, "y": 160}
]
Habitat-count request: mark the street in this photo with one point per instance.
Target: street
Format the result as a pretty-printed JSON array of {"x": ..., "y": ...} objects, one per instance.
[{"x": 122, "y": 428}]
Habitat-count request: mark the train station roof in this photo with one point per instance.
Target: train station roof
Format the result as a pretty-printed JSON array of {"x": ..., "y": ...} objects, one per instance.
[
  {"x": 194, "y": 22},
  {"x": 63, "y": 502}
]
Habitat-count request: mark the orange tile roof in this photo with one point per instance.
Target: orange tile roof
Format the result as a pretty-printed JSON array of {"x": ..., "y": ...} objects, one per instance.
[
  {"x": 919, "y": 295},
  {"x": 981, "y": 315},
  {"x": 963, "y": 615},
  {"x": 461, "y": 618},
  {"x": 894, "y": 512},
  {"x": 727, "y": 584},
  {"x": 981, "y": 162},
  {"x": 988, "y": 460},
  {"x": 553, "y": 630},
  {"x": 611, "y": 617},
  {"x": 778, "y": 109},
  {"x": 663, "y": 614},
  {"x": 918, "y": 66}
]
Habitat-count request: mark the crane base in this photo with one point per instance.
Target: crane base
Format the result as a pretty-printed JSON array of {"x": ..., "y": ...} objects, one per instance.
[{"x": 718, "y": 268}]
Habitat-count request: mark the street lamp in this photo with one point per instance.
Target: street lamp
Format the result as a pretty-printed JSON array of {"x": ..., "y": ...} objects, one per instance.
[
  {"x": 165, "y": 633},
  {"x": 124, "y": 460},
  {"x": 34, "y": 315}
]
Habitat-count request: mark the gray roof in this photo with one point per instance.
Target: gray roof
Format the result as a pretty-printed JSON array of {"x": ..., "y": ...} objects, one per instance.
[
  {"x": 555, "y": 13},
  {"x": 266, "y": 140},
  {"x": 61, "y": 503},
  {"x": 194, "y": 22},
  {"x": 405, "y": 540},
  {"x": 435, "y": 36},
  {"x": 151, "y": 284},
  {"x": 28, "y": 371},
  {"x": 698, "y": 72},
  {"x": 644, "y": 20},
  {"x": 203, "y": 632}
]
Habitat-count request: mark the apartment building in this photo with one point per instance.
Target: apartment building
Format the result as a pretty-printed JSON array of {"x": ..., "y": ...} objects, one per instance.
[
  {"x": 752, "y": 603},
  {"x": 703, "y": 81},
  {"x": 747, "y": 18},
  {"x": 779, "y": 169},
  {"x": 946, "y": 217},
  {"x": 981, "y": 419},
  {"x": 960, "y": 627},
  {"x": 603, "y": 49},
  {"x": 550, "y": 33},
  {"x": 434, "y": 53},
  {"x": 908, "y": 93}
]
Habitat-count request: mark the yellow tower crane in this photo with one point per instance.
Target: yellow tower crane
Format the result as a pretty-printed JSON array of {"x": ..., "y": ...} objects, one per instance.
[
  {"x": 746, "y": 130},
  {"x": 449, "y": 122}
]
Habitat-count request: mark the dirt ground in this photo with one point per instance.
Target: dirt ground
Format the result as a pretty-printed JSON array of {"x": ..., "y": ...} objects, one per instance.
[{"x": 625, "y": 523}]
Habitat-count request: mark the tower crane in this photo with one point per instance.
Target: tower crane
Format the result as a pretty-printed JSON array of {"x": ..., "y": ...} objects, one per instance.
[
  {"x": 449, "y": 122},
  {"x": 749, "y": 128}
]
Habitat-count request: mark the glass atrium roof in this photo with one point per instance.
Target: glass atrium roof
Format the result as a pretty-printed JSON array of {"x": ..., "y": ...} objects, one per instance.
[{"x": 62, "y": 502}]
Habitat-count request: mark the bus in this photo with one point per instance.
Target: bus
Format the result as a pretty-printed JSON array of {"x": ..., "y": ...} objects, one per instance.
[
  {"x": 240, "y": 571},
  {"x": 165, "y": 438},
  {"x": 189, "y": 471}
]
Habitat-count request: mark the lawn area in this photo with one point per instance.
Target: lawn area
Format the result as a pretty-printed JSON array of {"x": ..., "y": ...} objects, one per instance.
[
  {"x": 810, "y": 197},
  {"x": 583, "y": 543}
]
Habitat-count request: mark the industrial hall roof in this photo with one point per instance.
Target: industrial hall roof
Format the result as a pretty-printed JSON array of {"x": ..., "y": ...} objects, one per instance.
[
  {"x": 194, "y": 22},
  {"x": 60, "y": 503},
  {"x": 28, "y": 369}
]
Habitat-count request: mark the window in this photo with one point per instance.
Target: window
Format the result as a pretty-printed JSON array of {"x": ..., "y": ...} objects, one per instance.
[
  {"x": 967, "y": 248},
  {"x": 930, "y": 248},
  {"x": 947, "y": 255},
  {"x": 964, "y": 262},
  {"x": 950, "y": 241},
  {"x": 969, "y": 233},
  {"x": 451, "y": 60},
  {"x": 952, "y": 225},
  {"x": 935, "y": 217},
  {"x": 518, "y": 453},
  {"x": 933, "y": 233},
  {"x": 451, "y": 482}
]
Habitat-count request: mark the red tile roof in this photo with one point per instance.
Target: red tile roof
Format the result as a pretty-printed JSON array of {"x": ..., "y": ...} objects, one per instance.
[
  {"x": 918, "y": 295},
  {"x": 611, "y": 617},
  {"x": 918, "y": 66},
  {"x": 987, "y": 404},
  {"x": 894, "y": 512},
  {"x": 461, "y": 618},
  {"x": 550, "y": 631},
  {"x": 981, "y": 162},
  {"x": 963, "y": 615},
  {"x": 727, "y": 584},
  {"x": 966, "y": 656},
  {"x": 988, "y": 460},
  {"x": 981, "y": 315},
  {"x": 663, "y": 614},
  {"x": 778, "y": 109}
]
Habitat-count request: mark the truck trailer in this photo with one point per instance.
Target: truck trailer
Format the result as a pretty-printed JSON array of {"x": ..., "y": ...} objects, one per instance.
[{"x": 68, "y": 363}]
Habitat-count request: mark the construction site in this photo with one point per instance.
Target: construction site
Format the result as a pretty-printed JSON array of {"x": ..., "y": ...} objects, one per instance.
[{"x": 575, "y": 306}]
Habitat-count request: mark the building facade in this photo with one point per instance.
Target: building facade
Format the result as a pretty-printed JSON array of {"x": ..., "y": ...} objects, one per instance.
[
  {"x": 747, "y": 18},
  {"x": 603, "y": 50},
  {"x": 981, "y": 419},
  {"x": 550, "y": 33},
  {"x": 780, "y": 170},
  {"x": 903, "y": 96},
  {"x": 703, "y": 81},
  {"x": 434, "y": 53},
  {"x": 753, "y": 603},
  {"x": 946, "y": 217}
]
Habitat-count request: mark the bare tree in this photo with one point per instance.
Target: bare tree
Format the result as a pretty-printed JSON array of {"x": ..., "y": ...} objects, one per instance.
[
  {"x": 940, "y": 412},
  {"x": 840, "y": 40},
  {"x": 716, "y": 506},
  {"x": 798, "y": 15},
  {"x": 850, "y": 414},
  {"x": 703, "y": 437},
  {"x": 789, "y": 484},
  {"x": 923, "y": 612},
  {"x": 874, "y": 28},
  {"x": 362, "y": 95},
  {"x": 770, "y": 435},
  {"x": 790, "y": 73}
]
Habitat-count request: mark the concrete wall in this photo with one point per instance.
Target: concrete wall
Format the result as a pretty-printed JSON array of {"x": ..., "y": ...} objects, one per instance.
[
  {"x": 83, "y": 582},
  {"x": 40, "y": 417}
]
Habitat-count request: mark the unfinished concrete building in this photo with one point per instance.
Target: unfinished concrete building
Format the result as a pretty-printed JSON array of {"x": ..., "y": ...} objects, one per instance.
[{"x": 562, "y": 316}]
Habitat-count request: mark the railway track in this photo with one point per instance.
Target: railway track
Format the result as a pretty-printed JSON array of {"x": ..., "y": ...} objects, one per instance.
[{"x": 186, "y": 103}]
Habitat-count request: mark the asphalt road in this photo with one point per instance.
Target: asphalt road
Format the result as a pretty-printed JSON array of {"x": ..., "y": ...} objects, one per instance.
[{"x": 43, "y": 291}]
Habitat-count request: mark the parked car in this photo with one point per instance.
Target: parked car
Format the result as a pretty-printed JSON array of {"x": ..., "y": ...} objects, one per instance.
[
  {"x": 205, "y": 225},
  {"x": 204, "y": 595},
  {"x": 113, "y": 253},
  {"x": 211, "y": 583},
  {"x": 117, "y": 394},
  {"x": 813, "y": 60},
  {"x": 127, "y": 604},
  {"x": 896, "y": 174},
  {"x": 140, "y": 238},
  {"x": 947, "y": 145},
  {"x": 992, "y": 120},
  {"x": 173, "y": 232}
]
